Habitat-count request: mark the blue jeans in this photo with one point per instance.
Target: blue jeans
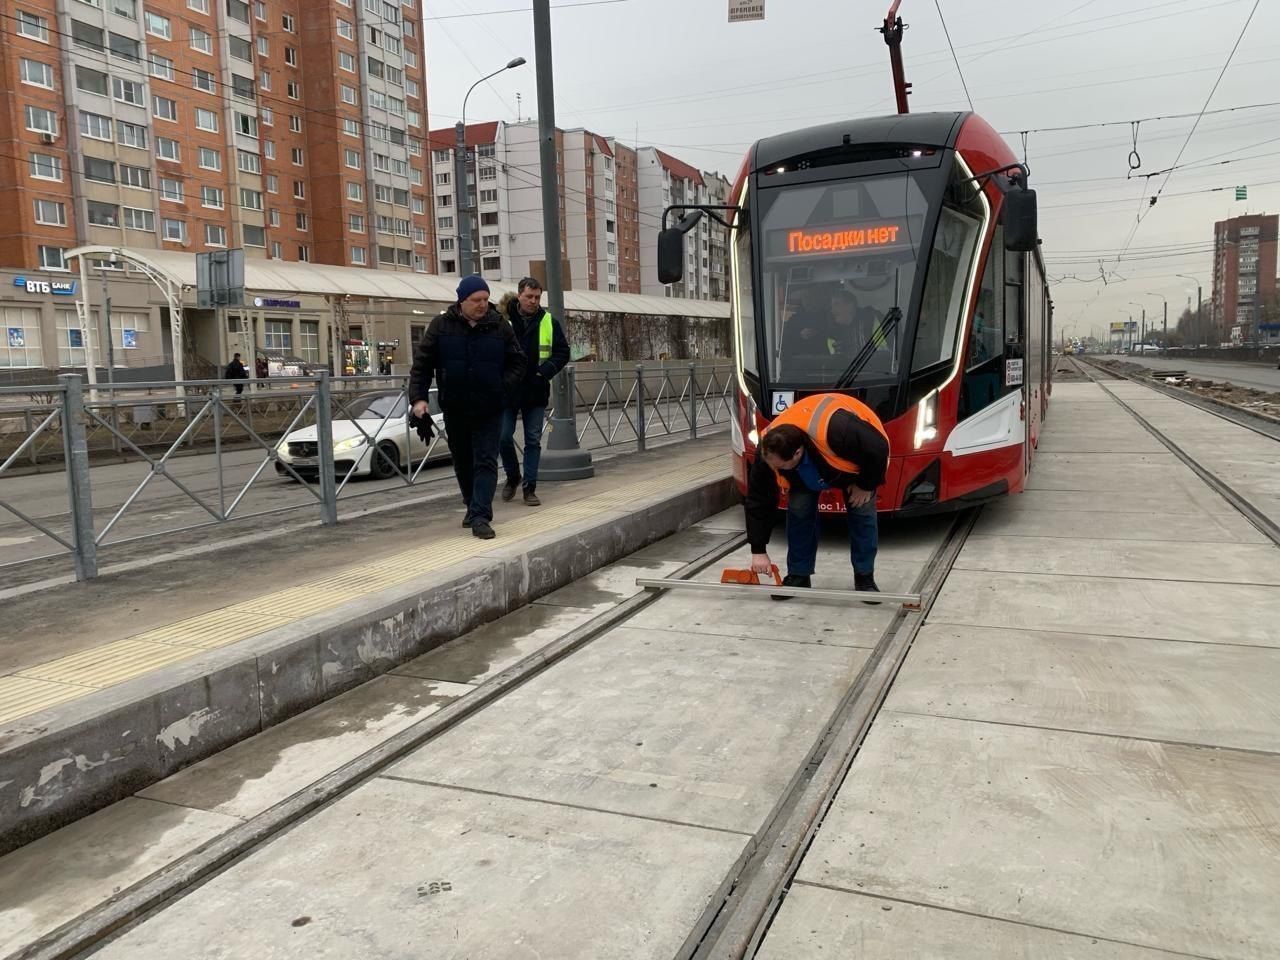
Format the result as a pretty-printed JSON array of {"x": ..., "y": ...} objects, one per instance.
[
  {"x": 473, "y": 443},
  {"x": 534, "y": 418},
  {"x": 802, "y": 533}
]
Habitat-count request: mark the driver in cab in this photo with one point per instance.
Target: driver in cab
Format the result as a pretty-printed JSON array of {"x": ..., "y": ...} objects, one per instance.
[{"x": 828, "y": 441}]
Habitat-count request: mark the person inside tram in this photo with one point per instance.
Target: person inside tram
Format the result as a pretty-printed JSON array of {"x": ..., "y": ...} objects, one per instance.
[{"x": 804, "y": 332}]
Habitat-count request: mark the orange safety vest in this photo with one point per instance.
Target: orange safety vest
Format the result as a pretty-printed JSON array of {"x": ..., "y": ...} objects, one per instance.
[{"x": 813, "y": 416}]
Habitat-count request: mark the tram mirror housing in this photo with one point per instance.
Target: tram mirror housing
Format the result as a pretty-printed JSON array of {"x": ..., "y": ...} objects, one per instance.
[
  {"x": 670, "y": 255},
  {"x": 1021, "y": 223}
]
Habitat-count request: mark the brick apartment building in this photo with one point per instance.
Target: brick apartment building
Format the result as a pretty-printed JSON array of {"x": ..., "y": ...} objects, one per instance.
[{"x": 1244, "y": 274}]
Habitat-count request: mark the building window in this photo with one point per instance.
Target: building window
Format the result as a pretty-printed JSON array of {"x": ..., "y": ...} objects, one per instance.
[
  {"x": 420, "y": 206},
  {"x": 45, "y": 167},
  {"x": 131, "y": 135},
  {"x": 91, "y": 81},
  {"x": 349, "y": 94},
  {"x": 102, "y": 214},
  {"x": 273, "y": 183},
  {"x": 355, "y": 222},
  {"x": 136, "y": 177},
  {"x": 444, "y": 200},
  {"x": 345, "y": 29},
  {"x": 167, "y": 149},
  {"x": 286, "y": 21},
  {"x": 246, "y": 124},
  {"x": 296, "y": 156},
  {"x": 304, "y": 253},
  {"x": 355, "y": 191},
  {"x": 269, "y": 149},
  {"x": 29, "y": 25},
  {"x": 157, "y": 25},
  {"x": 103, "y": 171},
  {"x": 293, "y": 90},
  {"x": 488, "y": 196},
  {"x": 173, "y": 231},
  {"x": 37, "y": 74},
  {"x": 199, "y": 6},
  {"x": 51, "y": 212},
  {"x": 295, "y": 123},
  {"x": 214, "y": 235},
  {"x": 210, "y": 159},
  {"x": 138, "y": 219},
  {"x": 21, "y": 346},
  {"x": 164, "y": 108},
  {"x": 446, "y": 243},
  {"x": 309, "y": 341},
  {"x": 203, "y": 80},
  {"x": 250, "y": 199},
  {"x": 40, "y": 120},
  {"x": 445, "y": 223},
  {"x": 291, "y": 56},
  {"x": 211, "y": 197},
  {"x": 448, "y": 266},
  {"x": 300, "y": 220},
  {"x": 351, "y": 127},
  {"x": 346, "y": 62},
  {"x": 238, "y": 10},
  {"x": 277, "y": 251},
  {"x": 491, "y": 263},
  {"x": 273, "y": 217},
  {"x": 248, "y": 162},
  {"x": 95, "y": 126},
  {"x": 171, "y": 190},
  {"x": 206, "y": 120},
  {"x": 268, "y": 116},
  {"x": 358, "y": 256},
  {"x": 299, "y": 190},
  {"x": 161, "y": 68},
  {"x": 254, "y": 236}
]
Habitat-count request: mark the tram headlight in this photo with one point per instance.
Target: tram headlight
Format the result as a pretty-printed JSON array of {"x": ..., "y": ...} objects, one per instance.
[{"x": 927, "y": 419}]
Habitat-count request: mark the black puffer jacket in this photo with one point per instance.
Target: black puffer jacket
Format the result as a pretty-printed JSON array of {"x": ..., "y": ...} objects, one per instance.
[
  {"x": 477, "y": 369},
  {"x": 536, "y": 387}
]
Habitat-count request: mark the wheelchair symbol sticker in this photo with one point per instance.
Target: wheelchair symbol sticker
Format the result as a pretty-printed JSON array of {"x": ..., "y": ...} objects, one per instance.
[{"x": 783, "y": 399}]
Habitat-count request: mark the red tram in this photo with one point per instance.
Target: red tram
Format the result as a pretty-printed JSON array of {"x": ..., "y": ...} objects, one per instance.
[{"x": 894, "y": 259}]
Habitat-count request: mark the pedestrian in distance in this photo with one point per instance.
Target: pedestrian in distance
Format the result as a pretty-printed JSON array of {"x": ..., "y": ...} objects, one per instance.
[
  {"x": 236, "y": 371},
  {"x": 472, "y": 354},
  {"x": 824, "y": 442},
  {"x": 546, "y": 352}
]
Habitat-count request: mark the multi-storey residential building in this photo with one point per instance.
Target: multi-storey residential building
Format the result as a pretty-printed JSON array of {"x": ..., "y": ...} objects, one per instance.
[
  {"x": 665, "y": 181},
  {"x": 627, "y": 187},
  {"x": 719, "y": 190},
  {"x": 1244, "y": 272},
  {"x": 198, "y": 125}
]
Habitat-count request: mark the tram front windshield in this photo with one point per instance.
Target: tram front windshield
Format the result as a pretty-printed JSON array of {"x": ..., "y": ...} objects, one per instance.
[{"x": 838, "y": 268}]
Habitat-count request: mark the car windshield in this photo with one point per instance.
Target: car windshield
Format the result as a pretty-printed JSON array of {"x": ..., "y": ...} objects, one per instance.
[
  {"x": 838, "y": 258},
  {"x": 378, "y": 406}
]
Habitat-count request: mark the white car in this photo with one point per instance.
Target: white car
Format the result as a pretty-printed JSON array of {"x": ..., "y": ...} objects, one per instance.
[{"x": 382, "y": 417}]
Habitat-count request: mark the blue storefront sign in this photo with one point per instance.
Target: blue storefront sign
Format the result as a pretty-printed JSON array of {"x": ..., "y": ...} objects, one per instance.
[
  {"x": 59, "y": 288},
  {"x": 270, "y": 302}
]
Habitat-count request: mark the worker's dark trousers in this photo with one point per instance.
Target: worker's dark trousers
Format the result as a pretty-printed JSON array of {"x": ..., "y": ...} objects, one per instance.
[
  {"x": 473, "y": 442},
  {"x": 802, "y": 533}
]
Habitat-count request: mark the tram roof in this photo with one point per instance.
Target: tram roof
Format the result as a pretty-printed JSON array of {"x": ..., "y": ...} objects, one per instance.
[
  {"x": 280, "y": 276},
  {"x": 930, "y": 129}
]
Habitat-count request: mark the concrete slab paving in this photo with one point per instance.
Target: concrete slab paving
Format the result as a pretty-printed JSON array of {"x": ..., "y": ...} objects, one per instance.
[
  {"x": 1003, "y": 519},
  {"x": 488, "y": 650},
  {"x": 254, "y": 774},
  {"x": 685, "y": 546},
  {"x": 1209, "y": 612},
  {"x": 732, "y": 519},
  {"x": 609, "y": 586},
  {"x": 1117, "y": 500},
  {"x": 817, "y": 924},
  {"x": 1210, "y": 694},
  {"x": 55, "y": 879},
  {"x": 402, "y": 871},
  {"x": 677, "y": 726},
  {"x": 1161, "y": 845},
  {"x": 1073, "y": 556}
]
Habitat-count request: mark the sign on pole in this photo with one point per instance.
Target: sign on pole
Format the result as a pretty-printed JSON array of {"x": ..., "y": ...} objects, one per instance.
[
  {"x": 1242, "y": 193},
  {"x": 220, "y": 279},
  {"x": 740, "y": 10}
]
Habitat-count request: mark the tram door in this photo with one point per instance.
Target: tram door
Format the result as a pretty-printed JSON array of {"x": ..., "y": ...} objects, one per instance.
[{"x": 1016, "y": 359}]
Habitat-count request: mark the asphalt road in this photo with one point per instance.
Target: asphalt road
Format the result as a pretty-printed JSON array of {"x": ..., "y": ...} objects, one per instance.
[{"x": 1253, "y": 375}]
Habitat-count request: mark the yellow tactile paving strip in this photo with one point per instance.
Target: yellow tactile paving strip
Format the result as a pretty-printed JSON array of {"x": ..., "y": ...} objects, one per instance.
[{"x": 67, "y": 678}]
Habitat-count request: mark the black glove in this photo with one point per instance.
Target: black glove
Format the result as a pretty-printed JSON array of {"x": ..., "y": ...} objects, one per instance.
[{"x": 424, "y": 425}]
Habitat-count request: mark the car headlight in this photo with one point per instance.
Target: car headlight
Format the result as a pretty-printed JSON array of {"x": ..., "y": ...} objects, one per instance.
[{"x": 351, "y": 443}]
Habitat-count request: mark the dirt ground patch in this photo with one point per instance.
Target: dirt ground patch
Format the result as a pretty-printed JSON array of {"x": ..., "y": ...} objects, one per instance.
[{"x": 1263, "y": 402}]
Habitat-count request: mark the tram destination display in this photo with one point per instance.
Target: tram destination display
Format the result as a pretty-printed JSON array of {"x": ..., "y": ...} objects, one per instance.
[{"x": 833, "y": 240}]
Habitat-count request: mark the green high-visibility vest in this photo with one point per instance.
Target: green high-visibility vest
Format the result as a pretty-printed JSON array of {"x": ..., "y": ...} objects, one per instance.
[{"x": 546, "y": 335}]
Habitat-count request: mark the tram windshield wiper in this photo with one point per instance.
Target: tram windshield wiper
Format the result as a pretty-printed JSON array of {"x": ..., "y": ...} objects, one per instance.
[{"x": 881, "y": 332}]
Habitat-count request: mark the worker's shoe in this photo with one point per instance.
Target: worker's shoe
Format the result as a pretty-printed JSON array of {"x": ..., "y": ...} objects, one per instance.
[
  {"x": 531, "y": 498},
  {"x": 482, "y": 529},
  {"x": 866, "y": 582},
  {"x": 794, "y": 580},
  {"x": 466, "y": 521},
  {"x": 510, "y": 487}
]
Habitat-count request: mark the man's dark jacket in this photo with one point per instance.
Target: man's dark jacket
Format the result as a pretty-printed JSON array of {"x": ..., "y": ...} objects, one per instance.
[
  {"x": 236, "y": 371},
  {"x": 849, "y": 437},
  {"x": 536, "y": 388},
  {"x": 477, "y": 370}
]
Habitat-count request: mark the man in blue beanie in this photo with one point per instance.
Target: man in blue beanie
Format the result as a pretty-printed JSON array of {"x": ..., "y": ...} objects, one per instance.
[{"x": 478, "y": 366}]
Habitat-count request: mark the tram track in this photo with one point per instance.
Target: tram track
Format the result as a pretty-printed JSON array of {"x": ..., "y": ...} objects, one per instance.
[
  {"x": 732, "y": 925},
  {"x": 1252, "y": 513}
]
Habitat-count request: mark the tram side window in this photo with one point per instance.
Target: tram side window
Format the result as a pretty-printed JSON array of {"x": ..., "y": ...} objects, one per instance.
[
  {"x": 745, "y": 301},
  {"x": 984, "y": 359}
]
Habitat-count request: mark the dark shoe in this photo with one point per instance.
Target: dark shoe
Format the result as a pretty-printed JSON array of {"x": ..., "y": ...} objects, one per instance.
[
  {"x": 531, "y": 498},
  {"x": 510, "y": 487},
  {"x": 866, "y": 582},
  {"x": 481, "y": 529},
  {"x": 794, "y": 580},
  {"x": 466, "y": 521}
]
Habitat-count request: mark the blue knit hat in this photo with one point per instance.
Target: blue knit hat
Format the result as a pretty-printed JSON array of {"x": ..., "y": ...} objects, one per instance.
[{"x": 470, "y": 285}]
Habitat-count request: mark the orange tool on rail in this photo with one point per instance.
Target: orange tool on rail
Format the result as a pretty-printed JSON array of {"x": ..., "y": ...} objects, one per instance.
[{"x": 749, "y": 576}]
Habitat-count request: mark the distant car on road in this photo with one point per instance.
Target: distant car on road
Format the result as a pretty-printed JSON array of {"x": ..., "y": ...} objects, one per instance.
[{"x": 382, "y": 417}]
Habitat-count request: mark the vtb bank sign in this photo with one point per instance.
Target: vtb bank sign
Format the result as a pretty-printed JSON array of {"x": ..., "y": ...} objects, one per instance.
[{"x": 60, "y": 288}]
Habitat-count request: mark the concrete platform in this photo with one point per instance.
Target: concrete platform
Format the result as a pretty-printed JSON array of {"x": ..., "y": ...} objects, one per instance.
[
  {"x": 1079, "y": 755},
  {"x": 401, "y": 870},
  {"x": 130, "y": 706}
]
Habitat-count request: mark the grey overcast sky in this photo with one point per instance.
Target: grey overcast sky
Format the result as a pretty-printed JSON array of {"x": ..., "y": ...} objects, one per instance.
[{"x": 677, "y": 75}]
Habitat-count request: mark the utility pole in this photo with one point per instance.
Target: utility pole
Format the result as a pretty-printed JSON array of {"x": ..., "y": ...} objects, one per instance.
[
  {"x": 106, "y": 322},
  {"x": 564, "y": 460},
  {"x": 460, "y": 204}
]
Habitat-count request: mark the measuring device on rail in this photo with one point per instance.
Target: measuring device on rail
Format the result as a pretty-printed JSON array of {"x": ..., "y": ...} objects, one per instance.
[{"x": 744, "y": 583}]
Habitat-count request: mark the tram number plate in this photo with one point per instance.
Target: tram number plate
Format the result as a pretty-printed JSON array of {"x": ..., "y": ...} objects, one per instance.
[
  {"x": 1012, "y": 373},
  {"x": 781, "y": 400}
]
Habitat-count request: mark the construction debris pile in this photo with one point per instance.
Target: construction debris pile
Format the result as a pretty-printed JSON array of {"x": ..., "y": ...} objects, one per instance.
[{"x": 1263, "y": 402}]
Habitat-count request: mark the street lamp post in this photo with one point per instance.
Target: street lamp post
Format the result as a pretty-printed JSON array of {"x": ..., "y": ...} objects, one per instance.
[
  {"x": 1144, "y": 324},
  {"x": 1164, "y": 339},
  {"x": 466, "y": 252},
  {"x": 1199, "y": 294}
]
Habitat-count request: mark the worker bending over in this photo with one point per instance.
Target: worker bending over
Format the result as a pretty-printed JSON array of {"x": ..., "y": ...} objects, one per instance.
[{"x": 827, "y": 441}]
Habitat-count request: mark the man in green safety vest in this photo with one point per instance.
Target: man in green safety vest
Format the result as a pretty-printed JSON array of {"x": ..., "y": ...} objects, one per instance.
[{"x": 547, "y": 351}]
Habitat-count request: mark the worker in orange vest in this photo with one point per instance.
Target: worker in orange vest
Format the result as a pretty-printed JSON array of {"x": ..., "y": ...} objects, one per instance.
[{"x": 824, "y": 442}]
